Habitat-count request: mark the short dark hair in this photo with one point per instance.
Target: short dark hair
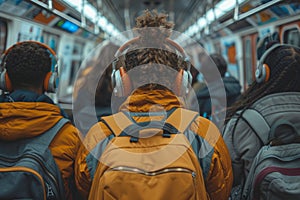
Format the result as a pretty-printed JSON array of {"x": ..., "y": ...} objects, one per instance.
[
  {"x": 220, "y": 63},
  {"x": 27, "y": 64}
]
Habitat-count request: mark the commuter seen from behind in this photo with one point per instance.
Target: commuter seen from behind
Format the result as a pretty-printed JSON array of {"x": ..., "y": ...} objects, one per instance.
[
  {"x": 273, "y": 96},
  {"x": 27, "y": 113},
  {"x": 232, "y": 87},
  {"x": 98, "y": 70},
  {"x": 138, "y": 164}
]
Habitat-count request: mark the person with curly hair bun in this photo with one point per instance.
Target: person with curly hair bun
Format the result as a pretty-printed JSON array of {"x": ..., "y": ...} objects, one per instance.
[
  {"x": 124, "y": 156},
  {"x": 27, "y": 112}
]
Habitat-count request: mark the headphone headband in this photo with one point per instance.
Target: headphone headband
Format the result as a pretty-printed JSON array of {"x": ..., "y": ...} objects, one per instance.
[
  {"x": 31, "y": 41},
  {"x": 122, "y": 84},
  {"x": 125, "y": 45},
  {"x": 168, "y": 40}
]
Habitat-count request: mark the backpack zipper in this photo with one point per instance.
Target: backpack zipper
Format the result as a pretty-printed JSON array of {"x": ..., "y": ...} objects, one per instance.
[
  {"x": 256, "y": 163},
  {"x": 36, "y": 159},
  {"x": 269, "y": 170},
  {"x": 136, "y": 170}
]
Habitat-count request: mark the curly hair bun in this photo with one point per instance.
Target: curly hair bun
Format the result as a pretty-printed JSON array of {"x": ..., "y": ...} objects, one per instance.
[{"x": 159, "y": 27}]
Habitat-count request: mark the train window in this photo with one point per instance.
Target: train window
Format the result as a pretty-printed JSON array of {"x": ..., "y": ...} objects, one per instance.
[
  {"x": 248, "y": 60},
  {"x": 3, "y": 36},
  {"x": 51, "y": 40},
  {"x": 231, "y": 53},
  {"x": 292, "y": 36},
  {"x": 76, "y": 60},
  {"x": 218, "y": 48}
]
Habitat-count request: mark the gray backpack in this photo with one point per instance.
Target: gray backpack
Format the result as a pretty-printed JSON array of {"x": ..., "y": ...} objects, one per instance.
[
  {"x": 28, "y": 169},
  {"x": 275, "y": 171}
]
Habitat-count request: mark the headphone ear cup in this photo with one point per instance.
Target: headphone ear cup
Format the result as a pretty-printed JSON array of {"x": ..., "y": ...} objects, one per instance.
[
  {"x": 258, "y": 74},
  {"x": 182, "y": 82},
  {"x": 50, "y": 82},
  {"x": 267, "y": 71},
  {"x": 126, "y": 82},
  {"x": 185, "y": 82},
  {"x": 5, "y": 83},
  {"x": 8, "y": 83},
  {"x": 117, "y": 84},
  {"x": 262, "y": 73},
  {"x": 121, "y": 82},
  {"x": 178, "y": 83}
]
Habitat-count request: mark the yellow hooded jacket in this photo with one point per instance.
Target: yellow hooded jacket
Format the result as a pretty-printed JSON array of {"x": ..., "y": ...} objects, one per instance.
[
  {"x": 19, "y": 120},
  {"x": 218, "y": 177}
]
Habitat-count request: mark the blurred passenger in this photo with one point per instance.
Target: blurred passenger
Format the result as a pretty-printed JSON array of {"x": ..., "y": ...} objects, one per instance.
[
  {"x": 275, "y": 95},
  {"x": 98, "y": 69},
  {"x": 231, "y": 85},
  {"x": 211, "y": 97},
  {"x": 26, "y": 111},
  {"x": 142, "y": 105}
]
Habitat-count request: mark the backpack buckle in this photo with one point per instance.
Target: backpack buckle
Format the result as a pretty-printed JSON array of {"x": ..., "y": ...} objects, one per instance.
[
  {"x": 134, "y": 139},
  {"x": 166, "y": 134}
]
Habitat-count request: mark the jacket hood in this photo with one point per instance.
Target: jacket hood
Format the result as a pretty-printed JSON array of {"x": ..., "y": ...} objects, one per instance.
[
  {"x": 152, "y": 100},
  {"x": 19, "y": 120}
]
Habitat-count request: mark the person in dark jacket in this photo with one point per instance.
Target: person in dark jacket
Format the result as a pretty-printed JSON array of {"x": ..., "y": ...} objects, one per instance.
[
  {"x": 205, "y": 97},
  {"x": 96, "y": 68}
]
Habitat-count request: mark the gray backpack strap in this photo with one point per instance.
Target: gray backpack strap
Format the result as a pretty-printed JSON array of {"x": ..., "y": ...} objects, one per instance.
[
  {"x": 46, "y": 138},
  {"x": 182, "y": 118},
  {"x": 258, "y": 123},
  {"x": 117, "y": 122}
]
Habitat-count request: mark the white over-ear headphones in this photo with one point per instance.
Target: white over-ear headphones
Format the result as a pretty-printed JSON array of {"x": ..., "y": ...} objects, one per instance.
[
  {"x": 121, "y": 81},
  {"x": 262, "y": 73},
  {"x": 50, "y": 81}
]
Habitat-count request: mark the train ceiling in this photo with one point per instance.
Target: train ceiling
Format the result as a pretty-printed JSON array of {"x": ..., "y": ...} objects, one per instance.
[
  {"x": 196, "y": 18},
  {"x": 182, "y": 12}
]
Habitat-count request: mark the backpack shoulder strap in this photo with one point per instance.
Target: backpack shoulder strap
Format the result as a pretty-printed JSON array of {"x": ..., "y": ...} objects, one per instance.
[
  {"x": 257, "y": 123},
  {"x": 117, "y": 122},
  {"x": 182, "y": 118},
  {"x": 45, "y": 139}
]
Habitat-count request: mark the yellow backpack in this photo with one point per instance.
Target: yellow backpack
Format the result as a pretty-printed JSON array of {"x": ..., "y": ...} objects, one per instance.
[{"x": 149, "y": 159}]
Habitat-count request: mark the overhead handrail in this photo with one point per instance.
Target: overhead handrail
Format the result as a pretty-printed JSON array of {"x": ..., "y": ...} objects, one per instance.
[
  {"x": 247, "y": 14},
  {"x": 60, "y": 14}
]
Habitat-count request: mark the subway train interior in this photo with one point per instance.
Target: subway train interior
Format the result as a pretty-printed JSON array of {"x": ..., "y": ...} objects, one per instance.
[
  {"x": 73, "y": 28},
  {"x": 76, "y": 32}
]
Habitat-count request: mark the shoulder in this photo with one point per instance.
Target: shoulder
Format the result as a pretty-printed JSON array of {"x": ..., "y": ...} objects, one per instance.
[
  {"x": 66, "y": 144},
  {"x": 210, "y": 134},
  {"x": 205, "y": 128},
  {"x": 96, "y": 134},
  {"x": 236, "y": 125},
  {"x": 68, "y": 135}
]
